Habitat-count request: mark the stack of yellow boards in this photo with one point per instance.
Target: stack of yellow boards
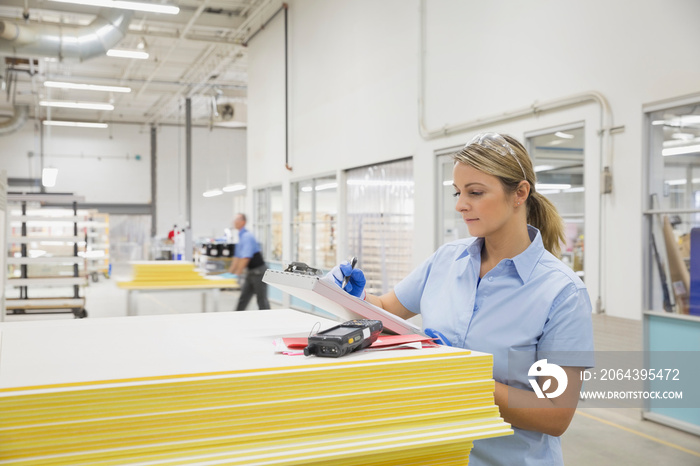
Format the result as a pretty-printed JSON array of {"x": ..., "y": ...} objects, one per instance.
[
  {"x": 403, "y": 407},
  {"x": 170, "y": 274}
]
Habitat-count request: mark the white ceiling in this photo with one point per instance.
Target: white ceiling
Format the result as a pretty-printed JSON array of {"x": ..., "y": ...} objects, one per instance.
[{"x": 197, "y": 54}]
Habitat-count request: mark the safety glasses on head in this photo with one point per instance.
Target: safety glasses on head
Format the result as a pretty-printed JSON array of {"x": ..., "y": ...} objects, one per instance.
[{"x": 496, "y": 143}]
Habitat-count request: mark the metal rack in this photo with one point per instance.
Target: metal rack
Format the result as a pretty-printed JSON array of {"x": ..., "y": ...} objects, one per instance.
[
  {"x": 97, "y": 248},
  {"x": 43, "y": 273}
]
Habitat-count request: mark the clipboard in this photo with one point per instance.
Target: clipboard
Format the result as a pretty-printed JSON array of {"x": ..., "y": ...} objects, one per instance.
[{"x": 331, "y": 298}]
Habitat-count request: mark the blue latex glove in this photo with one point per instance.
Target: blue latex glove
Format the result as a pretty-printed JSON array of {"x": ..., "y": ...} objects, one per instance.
[
  {"x": 440, "y": 339},
  {"x": 229, "y": 275},
  {"x": 356, "y": 283}
]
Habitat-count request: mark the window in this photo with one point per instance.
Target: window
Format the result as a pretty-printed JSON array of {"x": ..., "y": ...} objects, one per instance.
[
  {"x": 558, "y": 158},
  {"x": 268, "y": 222},
  {"x": 314, "y": 221},
  {"x": 673, "y": 203},
  {"x": 380, "y": 222},
  {"x": 451, "y": 224}
]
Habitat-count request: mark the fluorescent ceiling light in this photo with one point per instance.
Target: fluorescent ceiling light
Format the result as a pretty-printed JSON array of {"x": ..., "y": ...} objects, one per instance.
[
  {"x": 212, "y": 193},
  {"x": 577, "y": 189},
  {"x": 548, "y": 186},
  {"x": 448, "y": 183},
  {"x": 75, "y": 124},
  {"x": 136, "y": 6},
  {"x": 233, "y": 188},
  {"x": 83, "y": 105},
  {"x": 86, "y": 87},
  {"x": 48, "y": 177},
  {"x": 320, "y": 187},
  {"x": 680, "y": 150},
  {"x": 543, "y": 168},
  {"x": 127, "y": 54},
  {"x": 562, "y": 135},
  {"x": 681, "y": 181},
  {"x": 405, "y": 184},
  {"x": 683, "y": 136}
]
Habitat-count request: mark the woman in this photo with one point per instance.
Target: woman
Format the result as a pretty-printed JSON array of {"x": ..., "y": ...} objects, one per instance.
[{"x": 503, "y": 292}]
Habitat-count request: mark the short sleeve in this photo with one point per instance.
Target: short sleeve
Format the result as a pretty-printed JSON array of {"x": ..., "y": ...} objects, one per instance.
[
  {"x": 567, "y": 337},
  {"x": 409, "y": 291},
  {"x": 245, "y": 247}
]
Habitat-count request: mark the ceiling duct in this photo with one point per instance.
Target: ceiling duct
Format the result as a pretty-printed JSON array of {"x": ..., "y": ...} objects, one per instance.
[
  {"x": 16, "y": 121},
  {"x": 65, "y": 42}
]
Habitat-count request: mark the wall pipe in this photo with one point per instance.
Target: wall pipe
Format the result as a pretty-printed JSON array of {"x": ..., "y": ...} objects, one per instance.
[
  {"x": 154, "y": 180},
  {"x": 604, "y": 132},
  {"x": 188, "y": 162},
  {"x": 284, "y": 7},
  {"x": 16, "y": 121}
]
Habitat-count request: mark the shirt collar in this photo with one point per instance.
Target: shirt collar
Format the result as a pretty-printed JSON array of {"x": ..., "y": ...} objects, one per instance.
[{"x": 524, "y": 262}]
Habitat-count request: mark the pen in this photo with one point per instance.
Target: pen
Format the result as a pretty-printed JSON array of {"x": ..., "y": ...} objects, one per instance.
[{"x": 353, "y": 262}]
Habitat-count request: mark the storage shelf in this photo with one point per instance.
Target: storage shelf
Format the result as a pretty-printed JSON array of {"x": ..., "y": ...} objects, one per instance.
[
  {"x": 54, "y": 238},
  {"x": 40, "y": 218},
  {"x": 44, "y": 303},
  {"x": 45, "y": 260},
  {"x": 36, "y": 278},
  {"x": 48, "y": 281}
]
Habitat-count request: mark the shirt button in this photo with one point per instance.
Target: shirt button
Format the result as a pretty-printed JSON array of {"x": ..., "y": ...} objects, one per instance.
[{"x": 490, "y": 279}]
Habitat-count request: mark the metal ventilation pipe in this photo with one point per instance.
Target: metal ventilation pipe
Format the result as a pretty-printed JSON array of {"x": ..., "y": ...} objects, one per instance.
[
  {"x": 65, "y": 42},
  {"x": 16, "y": 121}
]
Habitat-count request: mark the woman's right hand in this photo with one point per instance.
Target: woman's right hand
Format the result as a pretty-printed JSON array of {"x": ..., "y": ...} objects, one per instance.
[{"x": 356, "y": 279}]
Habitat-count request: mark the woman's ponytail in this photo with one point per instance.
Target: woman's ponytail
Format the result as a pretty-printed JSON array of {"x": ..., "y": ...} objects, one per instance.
[{"x": 542, "y": 215}]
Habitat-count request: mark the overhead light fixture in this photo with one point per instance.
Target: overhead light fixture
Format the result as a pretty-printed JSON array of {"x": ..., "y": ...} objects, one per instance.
[
  {"x": 86, "y": 87},
  {"x": 320, "y": 187},
  {"x": 75, "y": 124},
  {"x": 136, "y": 6},
  {"x": 212, "y": 192},
  {"x": 48, "y": 177},
  {"x": 683, "y": 136},
  {"x": 231, "y": 188},
  {"x": 81, "y": 105},
  {"x": 119, "y": 53},
  {"x": 563, "y": 135},
  {"x": 680, "y": 150},
  {"x": 550, "y": 186},
  {"x": 543, "y": 168}
]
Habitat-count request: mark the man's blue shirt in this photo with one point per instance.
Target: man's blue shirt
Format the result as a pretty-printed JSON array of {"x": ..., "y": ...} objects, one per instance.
[{"x": 247, "y": 246}]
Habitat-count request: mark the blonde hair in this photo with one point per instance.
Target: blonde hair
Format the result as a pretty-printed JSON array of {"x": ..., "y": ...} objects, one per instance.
[{"x": 509, "y": 169}]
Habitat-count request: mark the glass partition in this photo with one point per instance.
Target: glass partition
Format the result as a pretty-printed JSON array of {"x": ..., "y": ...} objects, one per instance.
[
  {"x": 268, "y": 222},
  {"x": 673, "y": 204},
  {"x": 314, "y": 221},
  {"x": 380, "y": 222},
  {"x": 558, "y": 158}
]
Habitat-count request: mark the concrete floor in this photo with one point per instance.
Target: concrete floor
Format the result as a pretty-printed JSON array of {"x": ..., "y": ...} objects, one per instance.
[{"x": 596, "y": 436}]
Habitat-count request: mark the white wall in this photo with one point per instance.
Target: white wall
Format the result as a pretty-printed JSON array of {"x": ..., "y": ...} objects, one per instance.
[
  {"x": 354, "y": 101},
  {"x": 101, "y": 165}
]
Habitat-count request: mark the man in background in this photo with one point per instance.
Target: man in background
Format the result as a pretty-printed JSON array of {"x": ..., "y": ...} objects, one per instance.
[{"x": 248, "y": 258}]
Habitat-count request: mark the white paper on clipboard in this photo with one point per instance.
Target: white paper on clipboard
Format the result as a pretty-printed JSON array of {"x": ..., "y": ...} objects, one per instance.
[{"x": 331, "y": 298}]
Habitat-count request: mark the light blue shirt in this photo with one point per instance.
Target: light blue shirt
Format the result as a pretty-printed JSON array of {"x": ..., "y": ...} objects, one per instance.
[
  {"x": 532, "y": 303},
  {"x": 247, "y": 246}
]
